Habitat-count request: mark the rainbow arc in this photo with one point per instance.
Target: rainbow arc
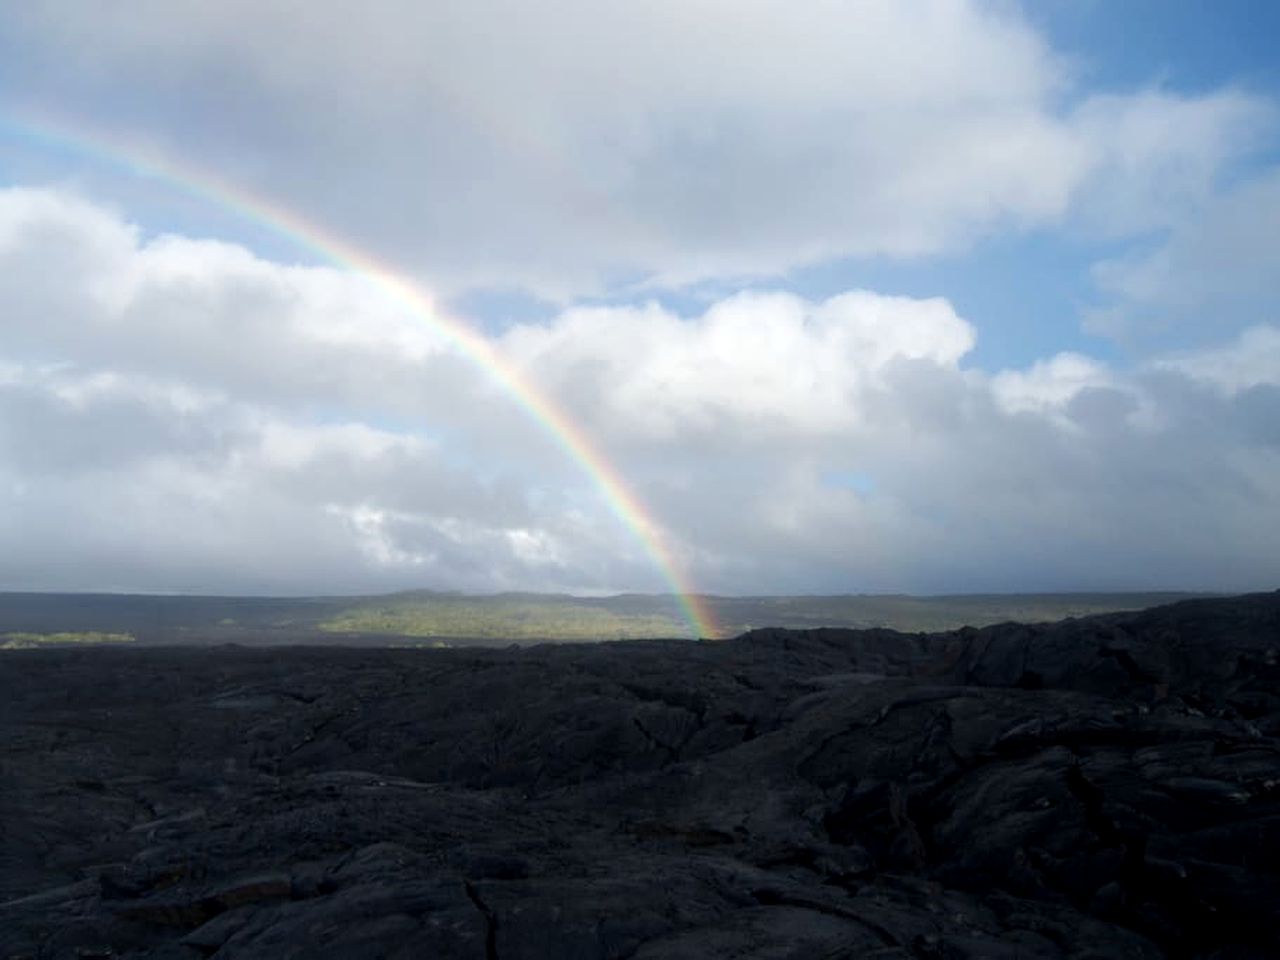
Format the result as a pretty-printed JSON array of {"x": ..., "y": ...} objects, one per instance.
[{"x": 541, "y": 409}]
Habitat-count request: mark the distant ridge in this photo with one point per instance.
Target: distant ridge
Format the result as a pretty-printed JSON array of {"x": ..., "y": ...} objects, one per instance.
[{"x": 523, "y": 617}]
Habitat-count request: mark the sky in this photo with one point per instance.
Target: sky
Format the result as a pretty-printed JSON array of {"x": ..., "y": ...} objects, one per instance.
[{"x": 913, "y": 296}]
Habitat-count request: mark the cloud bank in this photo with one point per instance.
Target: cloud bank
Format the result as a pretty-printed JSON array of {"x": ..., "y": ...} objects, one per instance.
[{"x": 180, "y": 414}]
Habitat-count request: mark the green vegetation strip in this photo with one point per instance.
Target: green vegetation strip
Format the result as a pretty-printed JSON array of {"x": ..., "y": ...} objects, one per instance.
[
  {"x": 524, "y": 617},
  {"x": 503, "y": 619},
  {"x": 28, "y": 641}
]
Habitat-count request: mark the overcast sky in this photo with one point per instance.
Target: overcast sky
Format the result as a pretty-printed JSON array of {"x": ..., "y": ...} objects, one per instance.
[{"x": 910, "y": 296}]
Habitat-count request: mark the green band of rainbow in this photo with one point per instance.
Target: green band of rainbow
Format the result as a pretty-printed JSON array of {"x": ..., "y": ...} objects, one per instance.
[{"x": 568, "y": 435}]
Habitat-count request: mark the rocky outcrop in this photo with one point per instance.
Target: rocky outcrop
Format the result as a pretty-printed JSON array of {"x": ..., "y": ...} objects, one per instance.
[{"x": 1107, "y": 787}]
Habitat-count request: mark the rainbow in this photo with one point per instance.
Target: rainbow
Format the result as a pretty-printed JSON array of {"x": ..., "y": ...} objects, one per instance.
[{"x": 290, "y": 225}]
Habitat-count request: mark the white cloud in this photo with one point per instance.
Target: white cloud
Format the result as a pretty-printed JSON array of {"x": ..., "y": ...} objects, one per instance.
[
  {"x": 82, "y": 287},
  {"x": 1049, "y": 385},
  {"x": 1251, "y": 360},
  {"x": 1156, "y": 157},
  {"x": 566, "y": 146},
  {"x": 768, "y": 364},
  {"x": 1215, "y": 272}
]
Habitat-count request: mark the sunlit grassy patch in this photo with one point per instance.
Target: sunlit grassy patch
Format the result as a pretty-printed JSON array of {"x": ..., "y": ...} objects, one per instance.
[
  {"x": 502, "y": 618},
  {"x": 27, "y": 641}
]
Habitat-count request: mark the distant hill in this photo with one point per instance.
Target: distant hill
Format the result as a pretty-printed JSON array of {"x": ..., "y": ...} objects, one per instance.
[{"x": 425, "y": 617}]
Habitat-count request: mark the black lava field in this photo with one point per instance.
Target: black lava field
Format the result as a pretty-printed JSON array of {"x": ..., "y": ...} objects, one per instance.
[{"x": 1101, "y": 787}]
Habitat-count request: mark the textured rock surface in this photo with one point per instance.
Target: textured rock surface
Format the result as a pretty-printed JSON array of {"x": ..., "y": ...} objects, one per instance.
[{"x": 1107, "y": 787}]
